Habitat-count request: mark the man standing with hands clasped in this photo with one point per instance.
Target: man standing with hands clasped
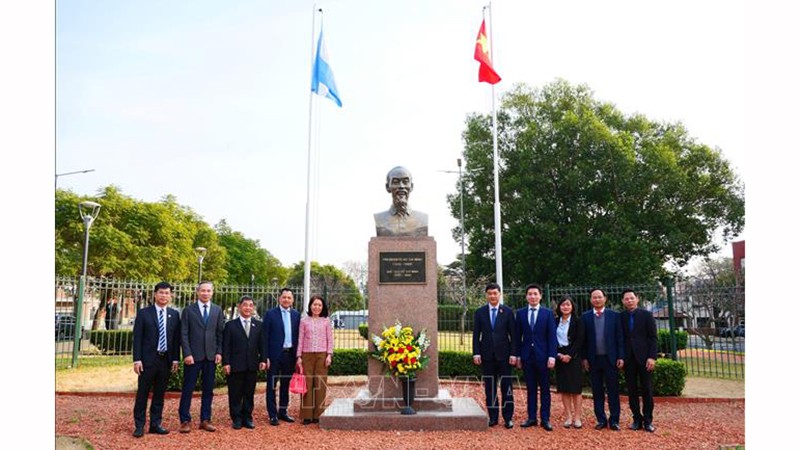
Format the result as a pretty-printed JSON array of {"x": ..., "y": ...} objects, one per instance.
[
  {"x": 494, "y": 344},
  {"x": 639, "y": 332},
  {"x": 202, "y": 325},
  {"x": 536, "y": 329},
  {"x": 156, "y": 350},
  {"x": 241, "y": 361}
]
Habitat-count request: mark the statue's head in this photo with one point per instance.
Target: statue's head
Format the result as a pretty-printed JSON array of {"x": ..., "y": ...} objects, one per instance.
[{"x": 399, "y": 183}]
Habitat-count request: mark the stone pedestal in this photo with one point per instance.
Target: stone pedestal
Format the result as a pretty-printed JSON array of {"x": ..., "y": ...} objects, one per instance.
[
  {"x": 402, "y": 286},
  {"x": 407, "y": 295}
]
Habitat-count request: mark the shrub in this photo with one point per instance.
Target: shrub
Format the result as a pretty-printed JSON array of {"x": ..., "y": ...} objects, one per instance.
[
  {"x": 112, "y": 341},
  {"x": 669, "y": 378},
  {"x": 363, "y": 330},
  {"x": 681, "y": 340},
  {"x": 348, "y": 362}
]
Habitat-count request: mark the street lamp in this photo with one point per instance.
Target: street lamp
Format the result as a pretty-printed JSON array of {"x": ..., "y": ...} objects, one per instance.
[
  {"x": 88, "y": 211},
  {"x": 71, "y": 173},
  {"x": 463, "y": 254},
  {"x": 201, "y": 253}
]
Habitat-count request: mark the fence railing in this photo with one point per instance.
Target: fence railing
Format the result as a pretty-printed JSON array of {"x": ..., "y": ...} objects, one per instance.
[{"x": 706, "y": 323}]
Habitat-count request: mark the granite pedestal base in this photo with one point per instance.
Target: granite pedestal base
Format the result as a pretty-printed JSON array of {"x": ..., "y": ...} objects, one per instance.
[{"x": 433, "y": 413}]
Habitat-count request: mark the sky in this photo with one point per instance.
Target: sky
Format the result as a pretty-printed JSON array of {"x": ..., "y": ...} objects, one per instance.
[{"x": 210, "y": 103}]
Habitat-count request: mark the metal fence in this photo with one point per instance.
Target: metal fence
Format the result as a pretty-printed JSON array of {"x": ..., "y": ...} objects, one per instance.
[{"x": 707, "y": 322}]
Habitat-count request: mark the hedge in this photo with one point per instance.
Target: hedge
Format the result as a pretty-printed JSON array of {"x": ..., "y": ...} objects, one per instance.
[
  {"x": 112, "y": 341},
  {"x": 681, "y": 340}
]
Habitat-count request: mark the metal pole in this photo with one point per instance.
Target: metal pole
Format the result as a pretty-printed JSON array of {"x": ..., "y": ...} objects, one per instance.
[
  {"x": 671, "y": 308},
  {"x": 76, "y": 339},
  {"x": 463, "y": 258}
]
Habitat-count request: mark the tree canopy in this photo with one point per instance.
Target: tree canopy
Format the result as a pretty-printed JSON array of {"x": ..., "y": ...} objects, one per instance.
[
  {"x": 338, "y": 289},
  {"x": 588, "y": 194}
]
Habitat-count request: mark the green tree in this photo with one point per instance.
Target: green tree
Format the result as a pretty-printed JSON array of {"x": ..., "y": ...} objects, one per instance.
[
  {"x": 340, "y": 290},
  {"x": 588, "y": 194},
  {"x": 246, "y": 258}
]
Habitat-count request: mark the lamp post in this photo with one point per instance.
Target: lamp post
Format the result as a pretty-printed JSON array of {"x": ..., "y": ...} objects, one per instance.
[
  {"x": 463, "y": 254},
  {"x": 88, "y": 211},
  {"x": 201, "y": 253},
  {"x": 71, "y": 173}
]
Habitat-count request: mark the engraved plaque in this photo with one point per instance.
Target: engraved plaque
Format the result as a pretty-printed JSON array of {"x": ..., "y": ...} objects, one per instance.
[{"x": 402, "y": 267}]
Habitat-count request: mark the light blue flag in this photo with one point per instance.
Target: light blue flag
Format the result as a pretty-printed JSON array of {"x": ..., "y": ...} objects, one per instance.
[{"x": 322, "y": 81}]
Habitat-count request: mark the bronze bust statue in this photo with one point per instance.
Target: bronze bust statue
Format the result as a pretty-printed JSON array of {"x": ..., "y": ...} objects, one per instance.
[{"x": 400, "y": 220}]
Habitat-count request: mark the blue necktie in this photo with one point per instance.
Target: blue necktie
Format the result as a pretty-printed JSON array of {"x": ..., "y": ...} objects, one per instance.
[
  {"x": 494, "y": 316},
  {"x": 205, "y": 313},
  {"x": 630, "y": 322},
  {"x": 162, "y": 332},
  {"x": 534, "y": 313}
]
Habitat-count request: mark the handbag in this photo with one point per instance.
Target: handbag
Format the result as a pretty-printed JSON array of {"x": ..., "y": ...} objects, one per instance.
[{"x": 297, "y": 385}]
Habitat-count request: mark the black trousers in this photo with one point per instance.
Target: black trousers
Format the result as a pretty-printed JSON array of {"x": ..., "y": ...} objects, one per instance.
[
  {"x": 494, "y": 373},
  {"x": 640, "y": 385},
  {"x": 153, "y": 377},
  {"x": 241, "y": 390}
]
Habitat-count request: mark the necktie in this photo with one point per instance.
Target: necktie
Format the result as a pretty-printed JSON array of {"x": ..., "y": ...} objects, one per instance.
[
  {"x": 534, "y": 313},
  {"x": 598, "y": 313},
  {"x": 247, "y": 328},
  {"x": 205, "y": 313},
  {"x": 630, "y": 322},
  {"x": 494, "y": 316},
  {"x": 162, "y": 332}
]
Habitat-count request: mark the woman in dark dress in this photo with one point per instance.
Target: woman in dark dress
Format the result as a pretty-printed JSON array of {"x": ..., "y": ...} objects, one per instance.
[{"x": 569, "y": 376}]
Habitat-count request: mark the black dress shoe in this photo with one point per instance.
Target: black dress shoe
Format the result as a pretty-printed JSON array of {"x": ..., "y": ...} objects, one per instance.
[
  {"x": 528, "y": 423},
  {"x": 248, "y": 424},
  {"x": 649, "y": 428},
  {"x": 158, "y": 430},
  {"x": 614, "y": 426},
  {"x": 314, "y": 420},
  {"x": 509, "y": 424},
  {"x": 306, "y": 421},
  {"x": 286, "y": 418},
  {"x": 492, "y": 423},
  {"x": 139, "y": 432},
  {"x": 635, "y": 425},
  {"x": 273, "y": 421},
  {"x": 547, "y": 426},
  {"x": 600, "y": 426},
  {"x": 237, "y": 426}
]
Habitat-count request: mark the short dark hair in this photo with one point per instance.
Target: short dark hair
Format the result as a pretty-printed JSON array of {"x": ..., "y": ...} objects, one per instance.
[
  {"x": 284, "y": 289},
  {"x": 564, "y": 299},
  {"x": 204, "y": 282},
  {"x": 493, "y": 285},
  {"x": 533, "y": 286},
  {"x": 324, "y": 312},
  {"x": 245, "y": 298},
  {"x": 626, "y": 290},
  {"x": 162, "y": 285}
]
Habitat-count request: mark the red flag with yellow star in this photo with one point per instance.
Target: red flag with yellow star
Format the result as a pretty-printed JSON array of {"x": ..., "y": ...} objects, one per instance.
[{"x": 486, "y": 72}]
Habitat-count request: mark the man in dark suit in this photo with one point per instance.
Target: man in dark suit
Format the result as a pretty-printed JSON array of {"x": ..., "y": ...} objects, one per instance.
[
  {"x": 494, "y": 346},
  {"x": 279, "y": 340},
  {"x": 604, "y": 355},
  {"x": 241, "y": 360},
  {"x": 112, "y": 310},
  {"x": 202, "y": 324},
  {"x": 156, "y": 351},
  {"x": 641, "y": 338},
  {"x": 536, "y": 329}
]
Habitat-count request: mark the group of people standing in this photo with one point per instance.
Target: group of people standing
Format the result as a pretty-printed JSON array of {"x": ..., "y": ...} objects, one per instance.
[
  {"x": 534, "y": 339},
  {"x": 280, "y": 344}
]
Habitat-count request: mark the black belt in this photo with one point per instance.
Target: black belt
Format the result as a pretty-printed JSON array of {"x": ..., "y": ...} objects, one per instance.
[
  {"x": 162, "y": 354},
  {"x": 286, "y": 350}
]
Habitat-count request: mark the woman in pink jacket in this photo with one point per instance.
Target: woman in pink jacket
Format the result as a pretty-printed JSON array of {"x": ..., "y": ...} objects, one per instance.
[{"x": 314, "y": 355}]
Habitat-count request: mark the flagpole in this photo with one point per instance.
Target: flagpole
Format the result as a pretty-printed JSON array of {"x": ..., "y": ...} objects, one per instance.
[
  {"x": 307, "y": 262},
  {"x": 498, "y": 238}
]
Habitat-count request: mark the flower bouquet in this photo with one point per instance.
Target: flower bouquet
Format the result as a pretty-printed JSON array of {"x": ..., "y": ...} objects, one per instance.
[{"x": 401, "y": 351}]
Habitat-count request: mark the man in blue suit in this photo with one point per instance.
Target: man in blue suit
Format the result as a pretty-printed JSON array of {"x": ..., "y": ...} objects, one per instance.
[
  {"x": 202, "y": 325},
  {"x": 604, "y": 355},
  {"x": 279, "y": 340},
  {"x": 156, "y": 351},
  {"x": 536, "y": 329},
  {"x": 494, "y": 346}
]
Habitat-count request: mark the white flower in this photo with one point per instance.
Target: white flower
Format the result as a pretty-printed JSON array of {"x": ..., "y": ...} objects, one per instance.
[{"x": 377, "y": 340}]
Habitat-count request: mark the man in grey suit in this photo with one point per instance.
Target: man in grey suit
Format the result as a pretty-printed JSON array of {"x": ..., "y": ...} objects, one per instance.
[{"x": 202, "y": 326}]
